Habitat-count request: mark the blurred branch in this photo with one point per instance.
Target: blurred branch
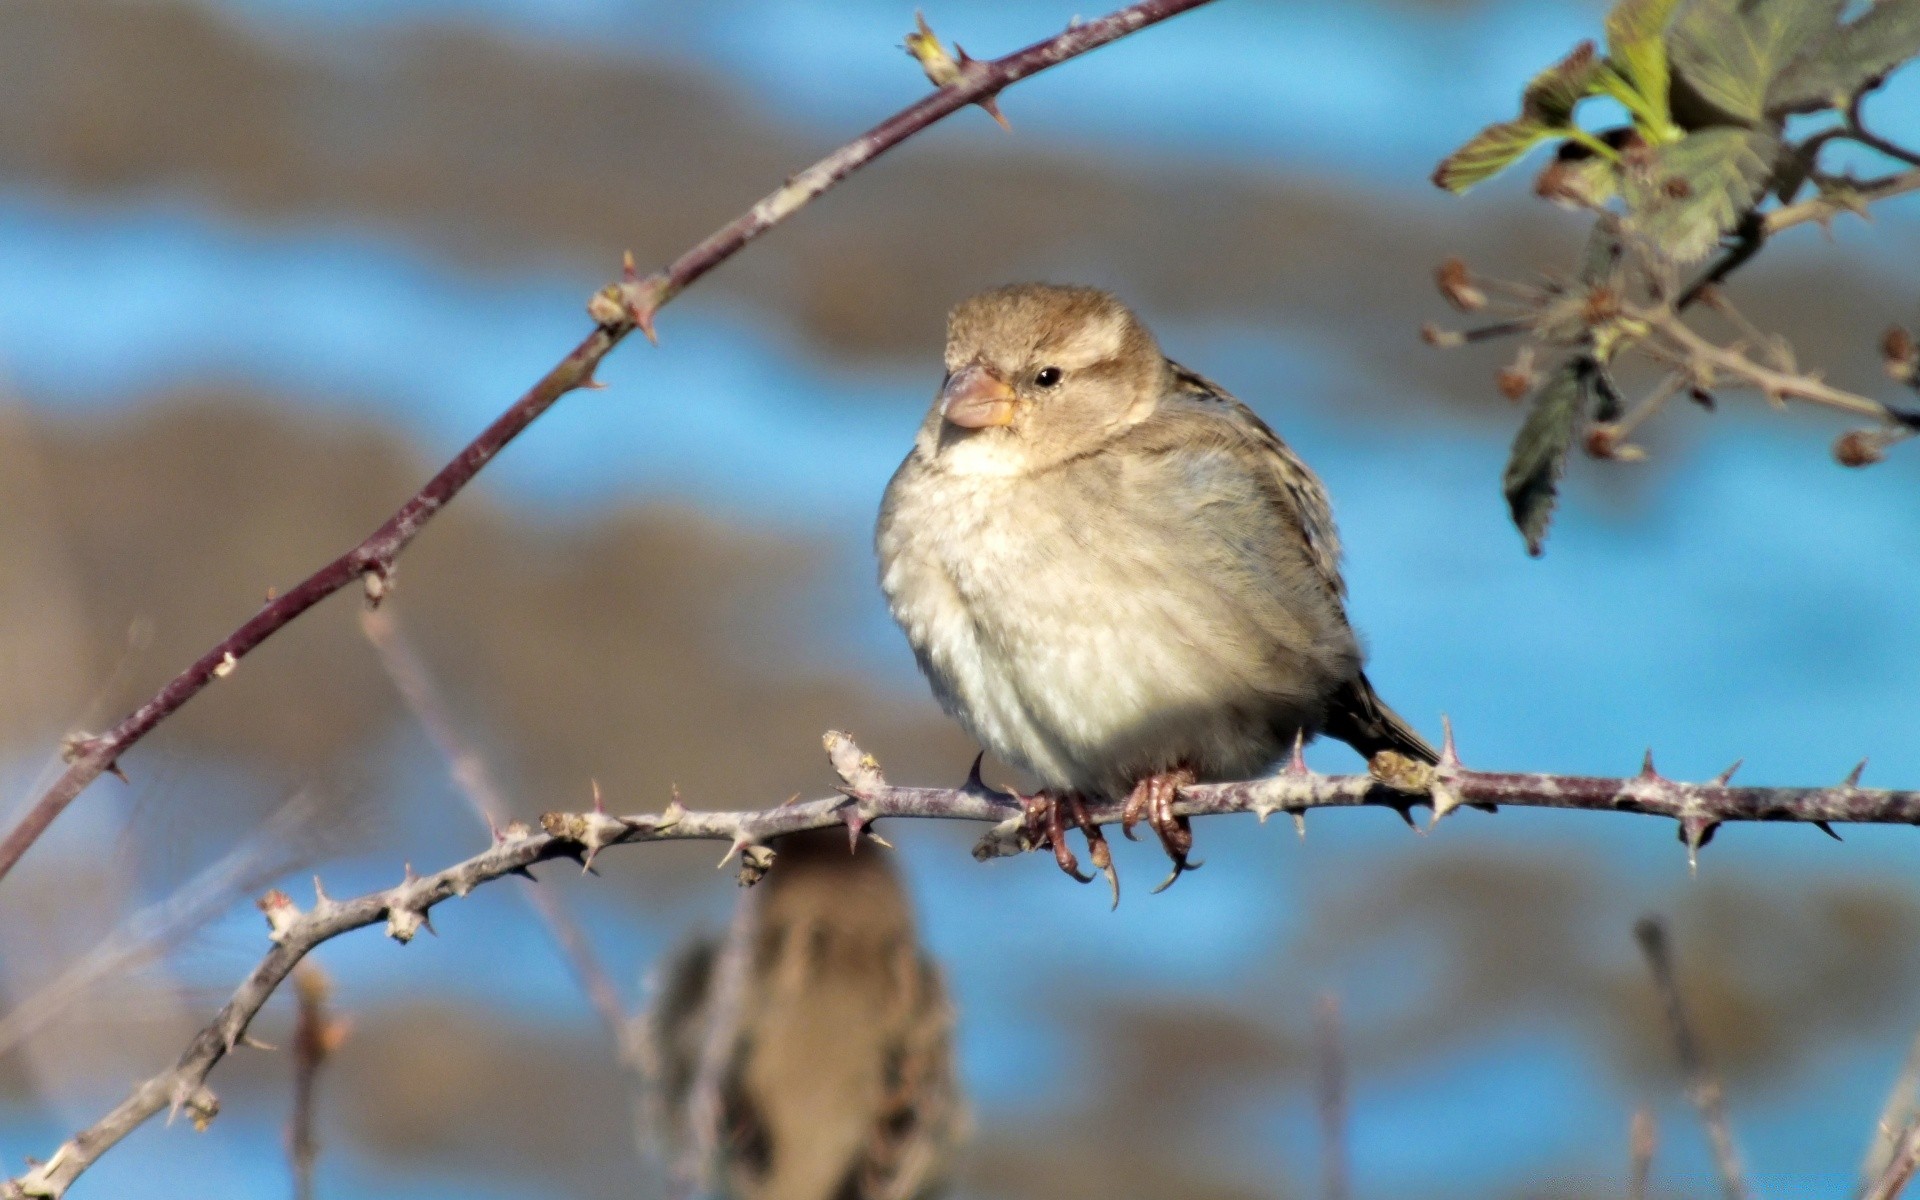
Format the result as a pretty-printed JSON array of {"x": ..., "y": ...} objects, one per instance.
[
  {"x": 411, "y": 679},
  {"x": 1703, "y": 1086},
  {"x": 706, "y": 1097},
  {"x": 316, "y": 1035},
  {"x": 1643, "y": 1139},
  {"x": 1900, "y": 1168},
  {"x": 287, "y": 838},
  {"x": 1896, "y": 1117},
  {"x": 1331, "y": 1077},
  {"x": 618, "y": 310},
  {"x": 183, "y": 1087},
  {"x": 864, "y": 797}
]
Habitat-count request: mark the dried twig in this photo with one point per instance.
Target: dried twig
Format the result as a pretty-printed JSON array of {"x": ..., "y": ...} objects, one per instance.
[
  {"x": 865, "y": 796},
  {"x": 316, "y": 1035},
  {"x": 618, "y": 309},
  {"x": 411, "y": 678},
  {"x": 1703, "y": 1086},
  {"x": 1331, "y": 1079}
]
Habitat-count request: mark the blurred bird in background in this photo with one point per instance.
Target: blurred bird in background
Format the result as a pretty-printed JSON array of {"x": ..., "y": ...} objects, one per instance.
[
  {"x": 829, "y": 1050},
  {"x": 1114, "y": 574}
]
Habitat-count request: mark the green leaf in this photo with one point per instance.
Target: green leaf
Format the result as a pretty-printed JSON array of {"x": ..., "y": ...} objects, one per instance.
[
  {"x": 1540, "y": 449},
  {"x": 1850, "y": 58},
  {"x": 1550, "y": 96},
  {"x": 1637, "y": 47},
  {"x": 1683, "y": 196},
  {"x": 1730, "y": 51},
  {"x": 1488, "y": 153},
  {"x": 1546, "y": 109}
]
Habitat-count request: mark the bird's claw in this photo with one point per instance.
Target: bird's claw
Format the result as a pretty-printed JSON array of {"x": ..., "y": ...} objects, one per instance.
[
  {"x": 1048, "y": 814},
  {"x": 1152, "y": 800}
]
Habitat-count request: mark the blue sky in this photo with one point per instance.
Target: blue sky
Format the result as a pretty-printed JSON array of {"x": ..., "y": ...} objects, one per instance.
[{"x": 1754, "y": 601}]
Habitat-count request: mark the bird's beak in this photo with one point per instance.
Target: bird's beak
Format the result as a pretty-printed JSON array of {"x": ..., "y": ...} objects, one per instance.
[{"x": 976, "y": 398}]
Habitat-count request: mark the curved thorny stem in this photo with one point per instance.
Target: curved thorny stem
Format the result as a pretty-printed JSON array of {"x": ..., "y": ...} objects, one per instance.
[
  {"x": 618, "y": 310},
  {"x": 865, "y": 797}
]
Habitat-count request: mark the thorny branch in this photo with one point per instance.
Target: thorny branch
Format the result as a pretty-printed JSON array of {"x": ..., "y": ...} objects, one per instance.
[
  {"x": 865, "y": 797},
  {"x": 618, "y": 310},
  {"x": 476, "y": 784}
]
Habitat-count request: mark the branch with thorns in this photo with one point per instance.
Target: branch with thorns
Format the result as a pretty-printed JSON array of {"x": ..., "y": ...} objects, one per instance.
[
  {"x": 864, "y": 797},
  {"x": 617, "y": 310}
]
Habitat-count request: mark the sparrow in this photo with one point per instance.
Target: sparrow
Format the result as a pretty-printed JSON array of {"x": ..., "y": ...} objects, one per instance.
[
  {"x": 835, "y": 1051},
  {"x": 1114, "y": 574}
]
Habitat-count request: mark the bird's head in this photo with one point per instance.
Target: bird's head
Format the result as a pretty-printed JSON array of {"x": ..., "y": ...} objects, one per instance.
[{"x": 1039, "y": 373}]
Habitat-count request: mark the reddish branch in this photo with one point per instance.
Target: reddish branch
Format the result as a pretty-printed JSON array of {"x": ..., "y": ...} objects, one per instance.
[
  {"x": 619, "y": 310},
  {"x": 864, "y": 797}
]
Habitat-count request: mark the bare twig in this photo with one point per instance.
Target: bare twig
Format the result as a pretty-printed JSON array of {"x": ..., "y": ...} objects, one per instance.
[
  {"x": 618, "y": 310},
  {"x": 1707, "y": 360},
  {"x": 1331, "y": 1078},
  {"x": 316, "y": 1035},
  {"x": 1826, "y": 206},
  {"x": 1899, "y": 1112},
  {"x": 1856, "y": 130},
  {"x": 865, "y": 796},
  {"x": 1703, "y": 1087},
  {"x": 411, "y": 678},
  {"x": 1643, "y": 1139}
]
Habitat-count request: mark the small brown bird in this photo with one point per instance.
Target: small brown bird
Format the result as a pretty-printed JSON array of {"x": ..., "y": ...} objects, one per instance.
[
  {"x": 833, "y": 1055},
  {"x": 1113, "y": 573}
]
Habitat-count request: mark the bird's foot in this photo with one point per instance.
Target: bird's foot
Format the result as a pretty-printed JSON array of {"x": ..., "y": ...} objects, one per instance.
[
  {"x": 1048, "y": 815},
  {"x": 1152, "y": 801}
]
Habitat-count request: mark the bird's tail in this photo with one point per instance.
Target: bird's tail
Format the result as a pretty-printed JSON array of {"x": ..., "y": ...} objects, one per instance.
[{"x": 1358, "y": 717}]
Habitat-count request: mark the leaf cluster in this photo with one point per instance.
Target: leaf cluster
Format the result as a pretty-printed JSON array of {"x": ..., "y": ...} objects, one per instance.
[{"x": 1708, "y": 88}]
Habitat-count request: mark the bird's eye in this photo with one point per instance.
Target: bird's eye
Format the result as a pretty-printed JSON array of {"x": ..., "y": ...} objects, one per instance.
[{"x": 1047, "y": 377}]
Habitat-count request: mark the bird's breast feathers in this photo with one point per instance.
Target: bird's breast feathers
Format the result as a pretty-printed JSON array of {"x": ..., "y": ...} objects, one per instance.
[{"x": 1084, "y": 623}]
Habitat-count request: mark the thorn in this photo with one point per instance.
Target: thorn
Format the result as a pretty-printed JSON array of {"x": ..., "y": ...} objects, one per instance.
[
  {"x": 593, "y": 385},
  {"x": 1725, "y": 777},
  {"x": 974, "y": 782},
  {"x": 1646, "y": 766},
  {"x": 1406, "y": 814},
  {"x": 320, "y": 897},
  {"x": 1696, "y": 832},
  {"x": 1300, "y": 824},
  {"x": 525, "y": 873},
  {"x": 113, "y": 769},
  {"x": 1827, "y": 829},
  {"x": 1449, "y": 755},
  {"x": 254, "y": 1043},
  {"x": 1297, "y": 764},
  {"x": 736, "y": 847},
  {"x": 855, "y": 821},
  {"x": 627, "y": 272},
  {"x": 1853, "y": 777},
  {"x": 1445, "y": 800},
  {"x": 406, "y": 873},
  {"x": 599, "y": 805},
  {"x": 877, "y": 840},
  {"x": 493, "y": 830}
]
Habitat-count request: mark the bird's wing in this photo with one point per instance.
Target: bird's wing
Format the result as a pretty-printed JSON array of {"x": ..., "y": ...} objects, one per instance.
[{"x": 1303, "y": 498}]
